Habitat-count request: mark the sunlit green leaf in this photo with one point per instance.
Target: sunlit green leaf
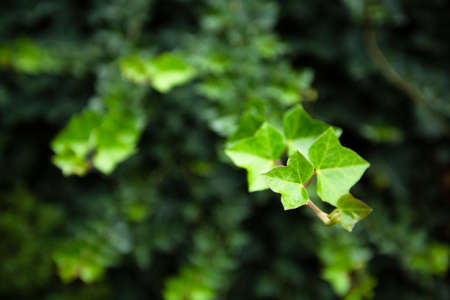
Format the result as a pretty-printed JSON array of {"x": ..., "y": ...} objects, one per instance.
[
  {"x": 257, "y": 154},
  {"x": 350, "y": 211},
  {"x": 73, "y": 144},
  {"x": 91, "y": 139},
  {"x": 248, "y": 125},
  {"x": 162, "y": 72},
  {"x": 289, "y": 181},
  {"x": 168, "y": 70},
  {"x": 300, "y": 130},
  {"x": 116, "y": 140},
  {"x": 338, "y": 168}
]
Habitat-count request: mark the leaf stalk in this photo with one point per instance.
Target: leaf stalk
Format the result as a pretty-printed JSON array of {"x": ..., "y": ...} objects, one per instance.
[{"x": 323, "y": 216}]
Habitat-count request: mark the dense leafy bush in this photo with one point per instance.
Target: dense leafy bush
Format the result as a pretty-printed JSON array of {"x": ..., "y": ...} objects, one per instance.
[{"x": 123, "y": 121}]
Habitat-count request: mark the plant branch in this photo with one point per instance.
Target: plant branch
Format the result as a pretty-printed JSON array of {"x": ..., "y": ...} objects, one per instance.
[
  {"x": 388, "y": 71},
  {"x": 323, "y": 216},
  {"x": 392, "y": 76},
  {"x": 307, "y": 183}
]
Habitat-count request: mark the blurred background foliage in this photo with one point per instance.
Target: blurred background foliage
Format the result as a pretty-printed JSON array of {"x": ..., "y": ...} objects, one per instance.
[{"x": 137, "y": 98}]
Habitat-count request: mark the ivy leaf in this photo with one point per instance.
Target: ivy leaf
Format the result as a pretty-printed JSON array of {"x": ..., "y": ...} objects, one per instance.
[
  {"x": 77, "y": 259},
  {"x": 289, "y": 181},
  {"x": 248, "y": 125},
  {"x": 250, "y": 120},
  {"x": 350, "y": 211},
  {"x": 73, "y": 144},
  {"x": 91, "y": 139},
  {"x": 134, "y": 69},
  {"x": 339, "y": 279},
  {"x": 116, "y": 139},
  {"x": 169, "y": 70},
  {"x": 257, "y": 154},
  {"x": 163, "y": 72},
  {"x": 338, "y": 168},
  {"x": 301, "y": 130}
]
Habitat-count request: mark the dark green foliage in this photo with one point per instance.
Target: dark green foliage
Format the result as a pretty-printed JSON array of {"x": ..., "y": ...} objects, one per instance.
[{"x": 142, "y": 97}]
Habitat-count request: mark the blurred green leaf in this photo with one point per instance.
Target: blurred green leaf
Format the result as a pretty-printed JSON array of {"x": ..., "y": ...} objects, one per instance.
[
  {"x": 77, "y": 259},
  {"x": 188, "y": 286},
  {"x": 162, "y": 72},
  {"x": 380, "y": 133},
  {"x": 339, "y": 279},
  {"x": 75, "y": 142},
  {"x": 91, "y": 139}
]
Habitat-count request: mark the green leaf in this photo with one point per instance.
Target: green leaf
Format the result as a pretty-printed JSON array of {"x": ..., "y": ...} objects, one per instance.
[
  {"x": 338, "y": 168},
  {"x": 433, "y": 259},
  {"x": 363, "y": 289},
  {"x": 77, "y": 259},
  {"x": 190, "y": 284},
  {"x": 257, "y": 154},
  {"x": 134, "y": 69},
  {"x": 350, "y": 211},
  {"x": 29, "y": 57},
  {"x": 102, "y": 141},
  {"x": 116, "y": 139},
  {"x": 301, "y": 130},
  {"x": 163, "y": 72},
  {"x": 248, "y": 125},
  {"x": 73, "y": 144},
  {"x": 289, "y": 181},
  {"x": 339, "y": 279},
  {"x": 168, "y": 70}
]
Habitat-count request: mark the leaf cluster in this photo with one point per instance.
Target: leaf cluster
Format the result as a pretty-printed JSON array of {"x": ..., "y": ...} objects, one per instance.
[{"x": 313, "y": 150}]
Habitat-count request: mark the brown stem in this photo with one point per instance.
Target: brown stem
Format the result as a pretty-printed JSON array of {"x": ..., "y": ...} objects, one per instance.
[
  {"x": 323, "y": 216},
  {"x": 309, "y": 180},
  {"x": 392, "y": 76},
  {"x": 388, "y": 71}
]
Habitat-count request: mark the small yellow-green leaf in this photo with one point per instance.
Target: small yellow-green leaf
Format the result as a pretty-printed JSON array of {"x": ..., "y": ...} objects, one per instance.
[{"x": 350, "y": 211}]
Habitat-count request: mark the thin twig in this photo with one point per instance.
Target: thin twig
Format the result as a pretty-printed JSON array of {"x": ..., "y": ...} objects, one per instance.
[
  {"x": 323, "y": 216},
  {"x": 392, "y": 76},
  {"x": 307, "y": 183},
  {"x": 388, "y": 71}
]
